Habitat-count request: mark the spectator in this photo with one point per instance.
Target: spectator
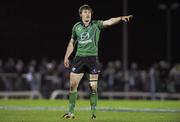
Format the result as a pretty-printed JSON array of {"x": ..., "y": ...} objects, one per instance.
[
  {"x": 163, "y": 75},
  {"x": 174, "y": 75}
]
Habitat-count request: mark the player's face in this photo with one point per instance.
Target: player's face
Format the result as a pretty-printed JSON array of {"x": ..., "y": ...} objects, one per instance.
[{"x": 86, "y": 15}]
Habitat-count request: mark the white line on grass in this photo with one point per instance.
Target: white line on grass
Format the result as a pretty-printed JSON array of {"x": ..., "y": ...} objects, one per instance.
[{"x": 119, "y": 109}]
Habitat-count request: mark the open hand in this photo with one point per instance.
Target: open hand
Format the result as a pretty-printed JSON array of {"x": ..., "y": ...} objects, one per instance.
[{"x": 127, "y": 18}]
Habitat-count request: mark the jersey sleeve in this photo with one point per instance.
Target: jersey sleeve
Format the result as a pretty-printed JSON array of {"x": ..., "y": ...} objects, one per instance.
[
  {"x": 73, "y": 35},
  {"x": 99, "y": 24}
]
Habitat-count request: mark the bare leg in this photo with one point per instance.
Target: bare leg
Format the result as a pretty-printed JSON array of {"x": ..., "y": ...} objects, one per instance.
[
  {"x": 74, "y": 82},
  {"x": 93, "y": 97}
]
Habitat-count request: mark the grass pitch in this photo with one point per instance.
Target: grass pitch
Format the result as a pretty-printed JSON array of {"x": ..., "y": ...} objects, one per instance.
[{"x": 107, "y": 111}]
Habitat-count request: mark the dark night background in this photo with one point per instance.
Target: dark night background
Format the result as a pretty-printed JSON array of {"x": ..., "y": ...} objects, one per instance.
[{"x": 33, "y": 29}]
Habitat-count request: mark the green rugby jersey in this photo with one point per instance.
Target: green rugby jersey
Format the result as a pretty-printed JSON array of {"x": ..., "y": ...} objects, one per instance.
[{"x": 87, "y": 38}]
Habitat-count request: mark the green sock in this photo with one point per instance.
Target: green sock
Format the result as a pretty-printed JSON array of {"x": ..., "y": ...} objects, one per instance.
[
  {"x": 72, "y": 101},
  {"x": 93, "y": 102}
]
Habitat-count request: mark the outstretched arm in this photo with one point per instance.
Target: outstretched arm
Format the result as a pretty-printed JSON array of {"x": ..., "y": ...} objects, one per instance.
[
  {"x": 116, "y": 20},
  {"x": 69, "y": 50}
]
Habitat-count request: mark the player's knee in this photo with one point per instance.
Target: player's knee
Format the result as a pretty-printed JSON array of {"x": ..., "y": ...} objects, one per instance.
[
  {"x": 93, "y": 77},
  {"x": 93, "y": 87},
  {"x": 73, "y": 86}
]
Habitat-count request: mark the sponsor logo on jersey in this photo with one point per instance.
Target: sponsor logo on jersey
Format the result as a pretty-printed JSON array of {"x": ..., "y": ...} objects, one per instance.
[
  {"x": 85, "y": 42},
  {"x": 85, "y": 38},
  {"x": 79, "y": 28}
]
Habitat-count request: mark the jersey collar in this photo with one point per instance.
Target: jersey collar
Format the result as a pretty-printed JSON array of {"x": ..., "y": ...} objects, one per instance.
[{"x": 84, "y": 25}]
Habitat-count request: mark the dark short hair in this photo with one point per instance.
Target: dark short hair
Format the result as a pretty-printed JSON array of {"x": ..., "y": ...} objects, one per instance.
[{"x": 85, "y": 7}]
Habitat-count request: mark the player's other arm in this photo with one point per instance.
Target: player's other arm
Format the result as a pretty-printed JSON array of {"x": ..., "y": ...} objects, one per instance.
[
  {"x": 69, "y": 50},
  {"x": 116, "y": 20}
]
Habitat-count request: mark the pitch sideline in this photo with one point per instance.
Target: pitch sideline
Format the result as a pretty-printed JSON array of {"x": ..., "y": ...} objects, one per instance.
[{"x": 112, "y": 109}]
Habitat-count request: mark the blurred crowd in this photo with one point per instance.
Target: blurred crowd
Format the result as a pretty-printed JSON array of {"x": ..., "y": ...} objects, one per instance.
[{"x": 49, "y": 75}]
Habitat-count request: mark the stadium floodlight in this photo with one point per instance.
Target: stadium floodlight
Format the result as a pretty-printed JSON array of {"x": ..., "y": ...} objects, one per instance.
[
  {"x": 168, "y": 8},
  {"x": 125, "y": 46}
]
